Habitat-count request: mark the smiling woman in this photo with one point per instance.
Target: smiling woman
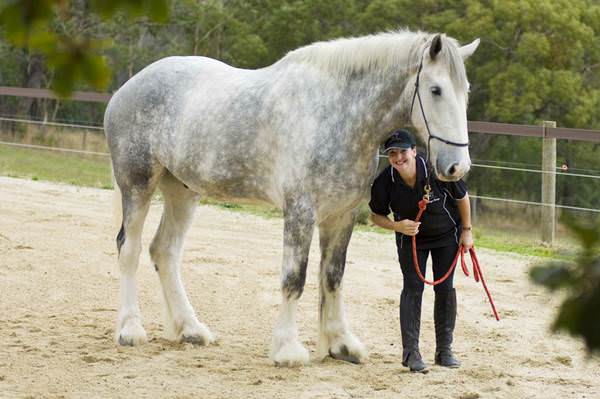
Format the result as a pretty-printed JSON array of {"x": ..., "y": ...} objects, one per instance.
[{"x": 446, "y": 224}]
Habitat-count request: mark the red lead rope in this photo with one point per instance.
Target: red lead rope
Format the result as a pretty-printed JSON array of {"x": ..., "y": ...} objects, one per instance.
[{"x": 461, "y": 251}]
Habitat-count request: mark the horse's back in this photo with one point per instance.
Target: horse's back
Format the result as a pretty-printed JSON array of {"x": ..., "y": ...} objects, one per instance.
[
  {"x": 158, "y": 90},
  {"x": 196, "y": 117}
]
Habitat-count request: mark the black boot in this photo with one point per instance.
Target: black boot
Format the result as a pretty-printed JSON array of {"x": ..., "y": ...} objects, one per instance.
[
  {"x": 444, "y": 315},
  {"x": 410, "y": 326}
]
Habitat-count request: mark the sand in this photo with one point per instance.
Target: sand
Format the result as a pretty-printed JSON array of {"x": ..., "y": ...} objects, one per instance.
[{"x": 58, "y": 304}]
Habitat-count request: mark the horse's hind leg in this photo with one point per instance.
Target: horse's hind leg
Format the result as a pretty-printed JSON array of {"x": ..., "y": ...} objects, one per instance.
[
  {"x": 335, "y": 337},
  {"x": 136, "y": 200},
  {"x": 286, "y": 349},
  {"x": 180, "y": 204}
]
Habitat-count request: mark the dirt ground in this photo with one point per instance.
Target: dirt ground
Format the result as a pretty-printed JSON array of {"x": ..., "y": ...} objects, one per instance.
[{"x": 59, "y": 293}]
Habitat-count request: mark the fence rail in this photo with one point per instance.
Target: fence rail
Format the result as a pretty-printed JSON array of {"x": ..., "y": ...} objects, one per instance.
[
  {"x": 88, "y": 96},
  {"x": 473, "y": 126},
  {"x": 46, "y": 123},
  {"x": 58, "y": 149},
  {"x": 534, "y": 131}
]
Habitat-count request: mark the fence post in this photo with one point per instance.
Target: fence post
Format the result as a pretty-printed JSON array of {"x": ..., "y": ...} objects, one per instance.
[
  {"x": 84, "y": 140},
  {"x": 548, "y": 186}
]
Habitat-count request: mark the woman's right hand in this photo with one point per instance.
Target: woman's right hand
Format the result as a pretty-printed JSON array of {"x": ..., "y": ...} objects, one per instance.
[{"x": 407, "y": 227}]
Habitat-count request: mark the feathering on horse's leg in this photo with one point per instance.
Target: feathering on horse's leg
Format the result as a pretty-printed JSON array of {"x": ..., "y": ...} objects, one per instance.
[
  {"x": 129, "y": 330},
  {"x": 335, "y": 337},
  {"x": 181, "y": 323},
  {"x": 286, "y": 348}
]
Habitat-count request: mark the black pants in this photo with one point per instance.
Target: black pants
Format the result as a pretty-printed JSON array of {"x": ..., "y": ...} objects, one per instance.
[{"x": 441, "y": 257}]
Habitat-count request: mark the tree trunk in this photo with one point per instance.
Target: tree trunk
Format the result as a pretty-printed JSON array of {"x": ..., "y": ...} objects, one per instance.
[{"x": 34, "y": 77}]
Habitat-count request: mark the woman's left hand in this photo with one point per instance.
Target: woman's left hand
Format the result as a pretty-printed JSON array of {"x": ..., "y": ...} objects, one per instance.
[{"x": 466, "y": 239}]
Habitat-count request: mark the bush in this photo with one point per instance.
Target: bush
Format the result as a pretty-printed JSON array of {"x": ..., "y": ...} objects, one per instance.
[{"x": 363, "y": 214}]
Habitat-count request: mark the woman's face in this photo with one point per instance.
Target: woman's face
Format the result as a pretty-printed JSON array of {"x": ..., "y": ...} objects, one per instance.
[{"x": 403, "y": 160}]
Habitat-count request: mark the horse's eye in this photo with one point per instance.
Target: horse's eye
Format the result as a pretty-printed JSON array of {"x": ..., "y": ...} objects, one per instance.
[{"x": 436, "y": 90}]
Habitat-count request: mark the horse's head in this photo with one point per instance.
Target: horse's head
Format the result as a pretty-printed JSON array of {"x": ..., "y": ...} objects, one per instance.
[{"x": 439, "y": 104}]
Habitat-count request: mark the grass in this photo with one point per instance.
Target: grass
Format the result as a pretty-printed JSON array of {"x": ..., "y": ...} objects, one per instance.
[
  {"x": 485, "y": 237},
  {"x": 89, "y": 171},
  {"x": 94, "y": 171},
  {"x": 257, "y": 209}
]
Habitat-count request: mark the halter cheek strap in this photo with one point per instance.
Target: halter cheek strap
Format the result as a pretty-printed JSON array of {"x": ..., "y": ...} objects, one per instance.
[{"x": 417, "y": 95}]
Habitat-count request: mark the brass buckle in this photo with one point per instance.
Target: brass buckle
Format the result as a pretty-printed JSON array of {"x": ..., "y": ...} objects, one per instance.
[{"x": 427, "y": 190}]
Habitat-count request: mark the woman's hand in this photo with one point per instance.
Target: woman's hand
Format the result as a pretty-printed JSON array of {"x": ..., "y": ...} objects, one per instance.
[
  {"x": 466, "y": 239},
  {"x": 407, "y": 227}
]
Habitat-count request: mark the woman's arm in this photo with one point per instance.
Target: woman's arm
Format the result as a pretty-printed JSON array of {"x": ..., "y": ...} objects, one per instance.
[
  {"x": 464, "y": 208},
  {"x": 406, "y": 226}
]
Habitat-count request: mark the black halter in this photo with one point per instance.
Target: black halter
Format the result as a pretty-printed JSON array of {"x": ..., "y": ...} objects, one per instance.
[{"x": 416, "y": 95}]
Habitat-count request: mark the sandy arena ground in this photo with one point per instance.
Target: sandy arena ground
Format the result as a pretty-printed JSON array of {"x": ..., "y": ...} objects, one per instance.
[{"x": 59, "y": 292}]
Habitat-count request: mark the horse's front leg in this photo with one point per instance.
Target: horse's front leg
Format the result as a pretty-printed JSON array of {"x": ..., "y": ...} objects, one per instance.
[
  {"x": 286, "y": 349},
  {"x": 335, "y": 337}
]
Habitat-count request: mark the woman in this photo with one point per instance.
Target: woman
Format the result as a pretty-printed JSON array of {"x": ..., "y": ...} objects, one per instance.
[{"x": 444, "y": 225}]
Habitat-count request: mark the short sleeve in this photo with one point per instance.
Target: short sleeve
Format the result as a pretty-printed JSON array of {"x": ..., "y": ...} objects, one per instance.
[
  {"x": 457, "y": 189},
  {"x": 380, "y": 197}
]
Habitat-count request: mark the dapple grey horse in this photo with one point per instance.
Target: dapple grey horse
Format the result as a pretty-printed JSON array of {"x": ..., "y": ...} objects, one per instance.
[{"x": 302, "y": 134}]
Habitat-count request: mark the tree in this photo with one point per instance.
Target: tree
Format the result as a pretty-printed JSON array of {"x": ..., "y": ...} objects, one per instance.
[{"x": 46, "y": 28}]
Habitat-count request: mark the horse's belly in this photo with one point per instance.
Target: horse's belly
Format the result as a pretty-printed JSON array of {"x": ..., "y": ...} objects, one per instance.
[
  {"x": 234, "y": 188},
  {"x": 230, "y": 182}
]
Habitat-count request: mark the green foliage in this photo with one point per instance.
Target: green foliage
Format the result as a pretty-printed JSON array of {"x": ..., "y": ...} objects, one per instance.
[
  {"x": 538, "y": 60},
  {"x": 24, "y": 20},
  {"x": 72, "y": 56},
  {"x": 73, "y": 61},
  {"x": 580, "y": 280},
  {"x": 157, "y": 10},
  {"x": 363, "y": 213}
]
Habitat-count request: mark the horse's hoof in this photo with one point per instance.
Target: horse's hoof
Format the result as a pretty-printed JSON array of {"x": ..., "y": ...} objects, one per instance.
[
  {"x": 125, "y": 341},
  {"x": 292, "y": 354},
  {"x": 345, "y": 355},
  {"x": 131, "y": 333},
  {"x": 129, "y": 339},
  {"x": 195, "y": 339},
  {"x": 344, "y": 346},
  {"x": 197, "y": 334},
  {"x": 290, "y": 364}
]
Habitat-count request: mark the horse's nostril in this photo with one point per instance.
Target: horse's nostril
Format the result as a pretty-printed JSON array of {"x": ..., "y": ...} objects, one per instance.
[{"x": 452, "y": 169}]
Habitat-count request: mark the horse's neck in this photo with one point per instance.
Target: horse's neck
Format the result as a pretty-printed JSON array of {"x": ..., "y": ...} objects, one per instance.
[
  {"x": 374, "y": 71},
  {"x": 384, "y": 106},
  {"x": 381, "y": 104}
]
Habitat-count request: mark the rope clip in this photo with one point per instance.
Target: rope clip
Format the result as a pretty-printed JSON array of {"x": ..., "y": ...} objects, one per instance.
[{"x": 427, "y": 190}]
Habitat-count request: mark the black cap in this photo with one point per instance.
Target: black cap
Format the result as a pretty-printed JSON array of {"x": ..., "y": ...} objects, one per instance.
[{"x": 402, "y": 139}]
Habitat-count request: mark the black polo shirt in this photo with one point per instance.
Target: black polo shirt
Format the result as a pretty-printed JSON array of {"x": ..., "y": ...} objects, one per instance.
[{"x": 440, "y": 223}]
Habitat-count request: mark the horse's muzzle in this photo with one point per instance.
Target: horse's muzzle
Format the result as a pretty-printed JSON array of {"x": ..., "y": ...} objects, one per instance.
[{"x": 452, "y": 171}]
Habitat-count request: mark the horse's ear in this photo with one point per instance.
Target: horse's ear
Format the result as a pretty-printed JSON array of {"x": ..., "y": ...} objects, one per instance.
[
  {"x": 467, "y": 50},
  {"x": 436, "y": 46}
]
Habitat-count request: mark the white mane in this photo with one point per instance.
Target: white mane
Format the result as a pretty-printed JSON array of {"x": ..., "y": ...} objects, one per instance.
[{"x": 381, "y": 52}]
